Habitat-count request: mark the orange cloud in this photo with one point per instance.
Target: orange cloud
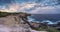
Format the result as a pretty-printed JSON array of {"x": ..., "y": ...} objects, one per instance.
[
  {"x": 12, "y": 8},
  {"x": 17, "y": 7}
]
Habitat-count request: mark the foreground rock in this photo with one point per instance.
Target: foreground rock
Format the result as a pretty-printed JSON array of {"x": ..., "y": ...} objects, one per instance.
[
  {"x": 16, "y": 29},
  {"x": 14, "y": 24}
]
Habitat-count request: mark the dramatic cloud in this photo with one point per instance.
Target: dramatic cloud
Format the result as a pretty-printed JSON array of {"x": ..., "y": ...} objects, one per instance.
[
  {"x": 10, "y": 8},
  {"x": 3, "y": 2},
  {"x": 31, "y": 6},
  {"x": 16, "y": 7},
  {"x": 45, "y": 10}
]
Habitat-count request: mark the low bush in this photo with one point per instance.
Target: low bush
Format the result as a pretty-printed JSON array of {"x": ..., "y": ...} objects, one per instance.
[{"x": 52, "y": 30}]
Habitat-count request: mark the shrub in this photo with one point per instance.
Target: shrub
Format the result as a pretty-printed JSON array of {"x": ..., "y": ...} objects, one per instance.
[
  {"x": 2, "y": 14},
  {"x": 52, "y": 30}
]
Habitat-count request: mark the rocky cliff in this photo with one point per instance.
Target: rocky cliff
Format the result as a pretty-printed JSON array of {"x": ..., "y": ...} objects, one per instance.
[{"x": 14, "y": 23}]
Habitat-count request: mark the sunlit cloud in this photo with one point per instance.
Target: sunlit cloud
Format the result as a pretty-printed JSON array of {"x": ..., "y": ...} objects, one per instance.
[
  {"x": 45, "y": 10},
  {"x": 25, "y": 7},
  {"x": 30, "y": 6},
  {"x": 10, "y": 8}
]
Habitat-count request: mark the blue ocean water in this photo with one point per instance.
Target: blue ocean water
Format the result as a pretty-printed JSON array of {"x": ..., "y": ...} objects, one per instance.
[{"x": 51, "y": 18}]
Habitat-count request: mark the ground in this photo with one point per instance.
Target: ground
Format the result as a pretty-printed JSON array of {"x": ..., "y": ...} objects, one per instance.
[{"x": 16, "y": 29}]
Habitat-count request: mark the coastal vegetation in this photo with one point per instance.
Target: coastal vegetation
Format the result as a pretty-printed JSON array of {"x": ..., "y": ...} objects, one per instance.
[{"x": 3, "y": 14}]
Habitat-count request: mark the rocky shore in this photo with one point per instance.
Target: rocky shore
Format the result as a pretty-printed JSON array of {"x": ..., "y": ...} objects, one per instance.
[{"x": 13, "y": 23}]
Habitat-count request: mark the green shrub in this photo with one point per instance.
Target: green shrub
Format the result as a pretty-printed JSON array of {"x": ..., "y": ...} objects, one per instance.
[
  {"x": 2, "y": 14},
  {"x": 43, "y": 28},
  {"x": 52, "y": 30}
]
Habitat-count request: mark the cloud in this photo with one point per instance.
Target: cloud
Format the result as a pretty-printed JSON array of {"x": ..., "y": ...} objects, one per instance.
[
  {"x": 4, "y": 2},
  {"x": 45, "y": 10},
  {"x": 16, "y": 7},
  {"x": 8, "y": 5},
  {"x": 26, "y": 6},
  {"x": 30, "y": 6},
  {"x": 9, "y": 8}
]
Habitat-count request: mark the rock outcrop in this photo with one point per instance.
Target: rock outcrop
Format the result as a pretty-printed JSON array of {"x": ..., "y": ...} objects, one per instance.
[{"x": 15, "y": 23}]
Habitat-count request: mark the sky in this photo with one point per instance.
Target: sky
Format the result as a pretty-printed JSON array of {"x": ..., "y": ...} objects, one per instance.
[{"x": 31, "y": 6}]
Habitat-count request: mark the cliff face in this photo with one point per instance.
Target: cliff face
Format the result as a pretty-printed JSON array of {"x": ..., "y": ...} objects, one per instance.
[
  {"x": 14, "y": 23},
  {"x": 11, "y": 20}
]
